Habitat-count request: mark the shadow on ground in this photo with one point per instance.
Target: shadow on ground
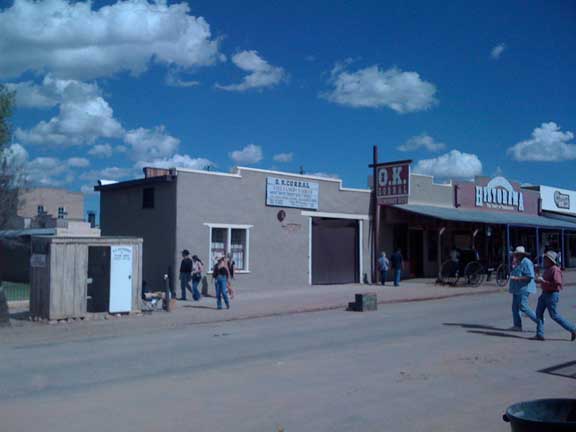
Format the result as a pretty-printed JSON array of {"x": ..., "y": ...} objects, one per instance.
[
  {"x": 566, "y": 370},
  {"x": 475, "y": 326}
]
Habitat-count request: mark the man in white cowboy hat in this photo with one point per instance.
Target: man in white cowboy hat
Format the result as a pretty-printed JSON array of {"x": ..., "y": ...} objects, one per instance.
[
  {"x": 551, "y": 284},
  {"x": 521, "y": 286}
]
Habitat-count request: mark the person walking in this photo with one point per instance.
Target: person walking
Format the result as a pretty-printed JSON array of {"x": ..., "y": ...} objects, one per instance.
[
  {"x": 551, "y": 284},
  {"x": 222, "y": 277},
  {"x": 522, "y": 284},
  {"x": 197, "y": 270},
  {"x": 185, "y": 273},
  {"x": 383, "y": 266},
  {"x": 397, "y": 263}
]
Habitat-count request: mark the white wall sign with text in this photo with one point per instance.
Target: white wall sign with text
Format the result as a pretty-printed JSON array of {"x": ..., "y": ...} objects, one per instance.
[
  {"x": 291, "y": 193},
  {"x": 558, "y": 200}
]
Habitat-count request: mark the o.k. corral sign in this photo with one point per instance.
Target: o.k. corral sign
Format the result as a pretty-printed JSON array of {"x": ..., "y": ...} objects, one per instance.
[
  {"x": 393, "y": 183},
  {"x": 281, "y": 192}
]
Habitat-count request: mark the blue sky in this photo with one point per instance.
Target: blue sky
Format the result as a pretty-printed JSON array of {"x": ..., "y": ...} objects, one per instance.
[{"x": 461, "y": 88}]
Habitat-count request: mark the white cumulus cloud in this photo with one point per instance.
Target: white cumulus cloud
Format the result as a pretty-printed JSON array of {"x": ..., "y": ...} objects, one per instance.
[
  {"x": 497, "y": 51},
  {"x": 422, "y": 141},
  {"x": 15, "y": 156},
  {"x": 373, "y": 87},
  {"x": 178, "y": 161},
  {"x": 547, "y": 144},
  {"x": 250, "y": 154},
  {"x": 72, "y": 39},
  {"x": 283, "y": 157},
  {"x": 101, "y": 151},
  {"x": 48, "y": 171},
  {"x": 261, "y": 74},
  {"x": 173, "y": 80},
  {"x": 110, "y": 173},
  {"x": 78, "y": 162},
  {"x": 83, "y": 116},
  {"x": 454, "y": 164},
  {"x": 151, "y": 144},
  {"x": 325, "y": 175}
]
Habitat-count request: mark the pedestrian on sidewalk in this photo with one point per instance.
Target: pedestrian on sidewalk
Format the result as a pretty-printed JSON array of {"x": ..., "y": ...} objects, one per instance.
[
  {"x": 222, "y": 275},
  {"x": 383, "y": 266},
  {"x": 185, "y": 272},
  {"x": 551, "y": 284},
  {"x": 197, "y": 270},
  {"x": 397, "y": 263},
  {"x": 522, "y": 284}
]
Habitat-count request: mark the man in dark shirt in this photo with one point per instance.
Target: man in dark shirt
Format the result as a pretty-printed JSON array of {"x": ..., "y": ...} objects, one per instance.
[
  {"x": 185, "y": 273},
  {"x": 396, "y": 264}
]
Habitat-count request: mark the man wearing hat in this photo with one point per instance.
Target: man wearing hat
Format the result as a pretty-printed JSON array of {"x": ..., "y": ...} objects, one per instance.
[
  {"x": 185, "y": 273},
  {"x": 521, "y": 286},
  {"x": 551, "y": 284}
]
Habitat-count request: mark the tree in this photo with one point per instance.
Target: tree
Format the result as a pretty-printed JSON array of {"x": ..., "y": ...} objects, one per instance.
[{"x": 10, "y": 175}]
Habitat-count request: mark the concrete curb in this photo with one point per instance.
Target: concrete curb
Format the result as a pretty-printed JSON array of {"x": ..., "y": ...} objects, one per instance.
[
  {"x": 340, "y": 306},
  {"x": 345, "y": 305}
]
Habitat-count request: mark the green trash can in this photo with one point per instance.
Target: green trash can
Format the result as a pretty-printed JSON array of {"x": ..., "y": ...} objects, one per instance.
[{"x": 542, "y": 415}]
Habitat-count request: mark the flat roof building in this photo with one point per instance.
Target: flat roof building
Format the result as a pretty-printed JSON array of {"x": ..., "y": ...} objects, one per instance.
[{"x": 282, "y": 229}]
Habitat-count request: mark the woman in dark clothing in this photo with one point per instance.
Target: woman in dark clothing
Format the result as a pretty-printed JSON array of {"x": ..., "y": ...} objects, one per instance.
[{"x": 197, "y": 270}]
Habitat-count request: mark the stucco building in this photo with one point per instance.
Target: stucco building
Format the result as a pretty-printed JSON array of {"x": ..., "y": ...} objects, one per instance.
[
  {"x": 282, "y": 229},
  {"x": 41, "y": 207}
]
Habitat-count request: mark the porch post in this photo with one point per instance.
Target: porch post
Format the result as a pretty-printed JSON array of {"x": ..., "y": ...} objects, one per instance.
[
  {"x": 376, "y": 216},
  {"x": 538, "y": 257},
  {"x": 508, "y": 257},
  {"x": 563, "y": 265}
]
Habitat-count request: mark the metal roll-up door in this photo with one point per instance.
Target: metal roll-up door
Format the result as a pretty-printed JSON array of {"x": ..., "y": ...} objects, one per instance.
[{"x": 335, "y": 251}]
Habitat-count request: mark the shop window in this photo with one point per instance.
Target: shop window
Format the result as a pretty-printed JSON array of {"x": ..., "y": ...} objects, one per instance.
[
  {"x": 218, "y": 244},
  {"x": 238, "y": 247},
  {"x": 148, "y": 198},
  {"x": 230, "y": 242},
  {"x": 61, "y": 212}
]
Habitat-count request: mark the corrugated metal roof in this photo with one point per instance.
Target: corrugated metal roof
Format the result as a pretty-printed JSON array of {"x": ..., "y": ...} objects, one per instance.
[{"x": 495, "y": 218}]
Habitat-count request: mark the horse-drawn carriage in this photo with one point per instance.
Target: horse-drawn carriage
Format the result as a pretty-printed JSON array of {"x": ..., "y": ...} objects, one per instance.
[{"x": 465, "y": 267}]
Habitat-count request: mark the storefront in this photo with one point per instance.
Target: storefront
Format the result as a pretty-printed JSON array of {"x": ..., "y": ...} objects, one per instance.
[
  {"x": 484, "y": 218},
  {"x": 559, "y": 204}
]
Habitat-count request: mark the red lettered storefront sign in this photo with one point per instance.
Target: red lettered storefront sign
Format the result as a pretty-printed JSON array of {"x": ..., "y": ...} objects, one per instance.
[{"x": 393, "y": 183}]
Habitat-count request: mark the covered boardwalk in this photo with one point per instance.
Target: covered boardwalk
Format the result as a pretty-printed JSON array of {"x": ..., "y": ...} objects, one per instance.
[{"x": 491, "y": 233}]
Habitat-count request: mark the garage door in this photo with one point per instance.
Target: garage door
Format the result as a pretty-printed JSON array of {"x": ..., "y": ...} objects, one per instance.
[{"x": 334, "y": 251}]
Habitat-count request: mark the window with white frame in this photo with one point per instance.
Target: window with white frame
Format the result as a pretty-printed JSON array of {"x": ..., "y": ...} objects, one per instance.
[{"x": 231, "y": 240}]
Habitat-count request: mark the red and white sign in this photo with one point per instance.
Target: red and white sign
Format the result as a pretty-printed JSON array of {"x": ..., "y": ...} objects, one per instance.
[{"x": 393, "y": 183}]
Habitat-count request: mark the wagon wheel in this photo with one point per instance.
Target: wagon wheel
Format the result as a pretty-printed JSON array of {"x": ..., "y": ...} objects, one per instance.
[
  {"x": 474, "y": 273},
  {"x": 502, "y": 275},
  {"x": 449, "y": 273}
]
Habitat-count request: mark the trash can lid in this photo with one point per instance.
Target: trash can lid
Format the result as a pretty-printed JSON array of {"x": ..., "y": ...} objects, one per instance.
[{"x": 545, "y": 411}]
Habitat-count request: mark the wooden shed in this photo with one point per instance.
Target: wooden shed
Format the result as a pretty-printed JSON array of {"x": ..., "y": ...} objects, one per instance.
[{"x": 72, "y": 277}]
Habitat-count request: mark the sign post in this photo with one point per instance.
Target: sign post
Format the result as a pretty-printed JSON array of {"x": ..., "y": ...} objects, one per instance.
[{"x": 391, "y": 186}]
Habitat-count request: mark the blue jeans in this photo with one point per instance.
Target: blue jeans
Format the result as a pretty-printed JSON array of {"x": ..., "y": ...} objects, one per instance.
[
  {"x": 520, "y": 303},
  {"x": 383, "y": 276},
  {"x": 222, "y": 291},
  {"x": 195, "y": 281},
  {"x": 397, "y": 274},
  {"x": 549, "y": 300},
  {"x": 185, "y": 283}
]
